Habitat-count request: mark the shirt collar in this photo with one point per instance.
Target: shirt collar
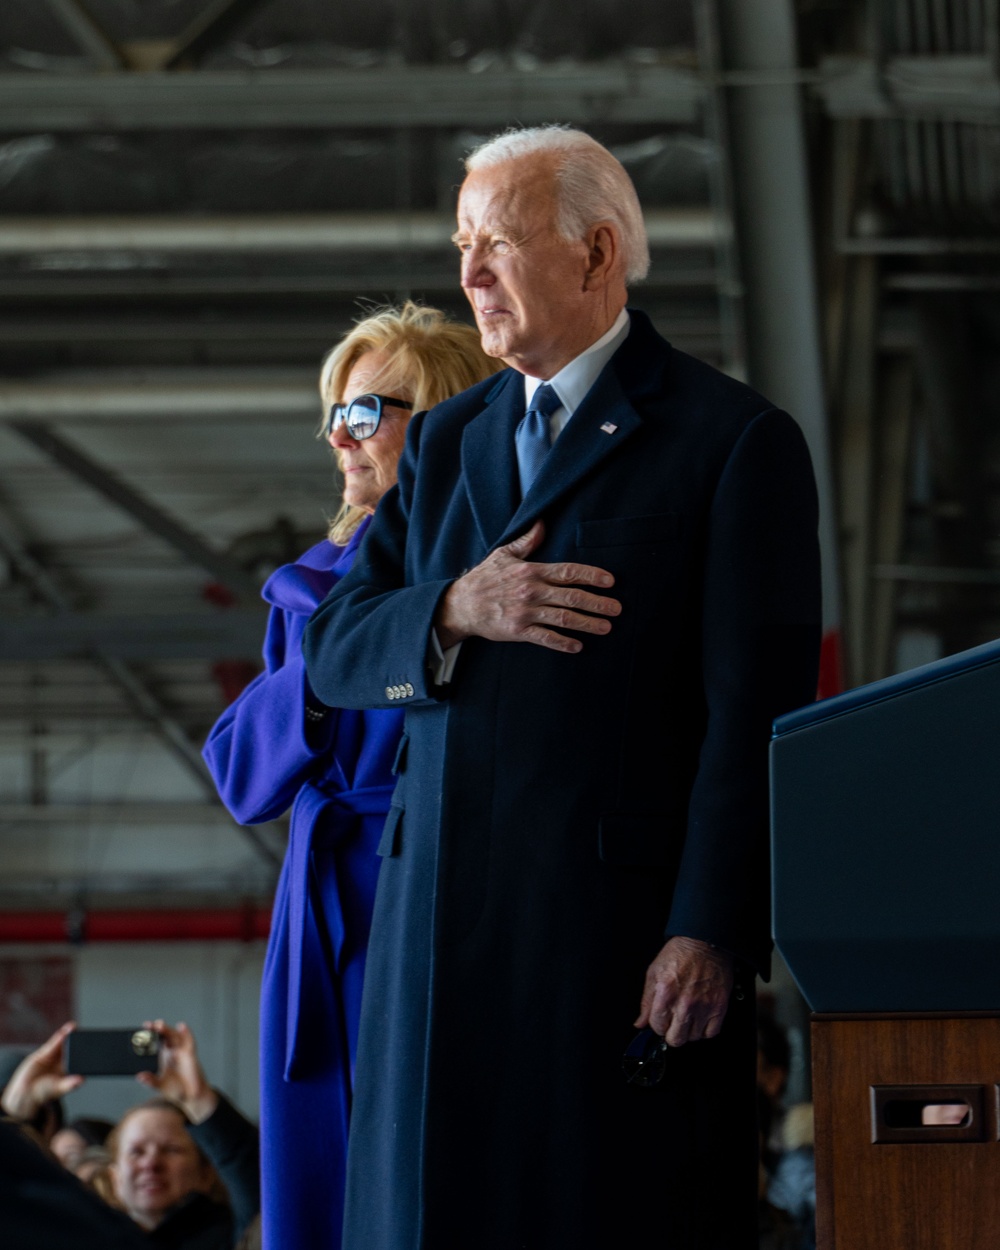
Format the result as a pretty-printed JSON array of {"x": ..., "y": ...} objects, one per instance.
[{"x": 574, "y": 380}]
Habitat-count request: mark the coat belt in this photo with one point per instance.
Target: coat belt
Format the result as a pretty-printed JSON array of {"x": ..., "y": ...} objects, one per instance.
[{"x": 307, "y": 1047}]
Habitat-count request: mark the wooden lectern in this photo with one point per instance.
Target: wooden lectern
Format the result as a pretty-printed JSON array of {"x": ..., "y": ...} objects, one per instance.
[{"x": 886, "y": 844}]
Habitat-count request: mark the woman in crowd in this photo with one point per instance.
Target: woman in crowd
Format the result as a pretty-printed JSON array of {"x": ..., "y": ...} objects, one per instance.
[
  {"x": 184, "y": 1167},
  {"x": 278, "y": 746}
]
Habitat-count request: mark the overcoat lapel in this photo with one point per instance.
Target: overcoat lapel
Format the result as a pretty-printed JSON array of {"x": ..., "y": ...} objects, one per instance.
[
  {"x": 601, "y": 424},
  {"x": 489, "y": 460}
]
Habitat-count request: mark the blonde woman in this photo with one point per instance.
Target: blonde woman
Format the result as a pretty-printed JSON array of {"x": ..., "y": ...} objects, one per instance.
[{"x": 277, "y": 746}]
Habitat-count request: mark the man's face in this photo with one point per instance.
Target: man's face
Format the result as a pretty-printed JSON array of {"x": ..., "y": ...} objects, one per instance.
[
  {"x": 527, "y": 285},
  {"x": 156, "y": 1165}
]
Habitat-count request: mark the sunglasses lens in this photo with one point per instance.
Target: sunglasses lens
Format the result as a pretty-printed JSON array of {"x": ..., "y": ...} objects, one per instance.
[
  {"x": 362, "y": 416},
  {"x": 645, "y": 1059},
  {"x": 334, "y": 419}
]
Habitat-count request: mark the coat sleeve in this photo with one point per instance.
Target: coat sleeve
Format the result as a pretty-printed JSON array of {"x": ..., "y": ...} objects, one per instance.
[
  {"x": 366, "y": 645},
  {"x": 262, "y": 748},
  {"x": 232, "y": 1144},
  {"x": 760, "y": 653}
]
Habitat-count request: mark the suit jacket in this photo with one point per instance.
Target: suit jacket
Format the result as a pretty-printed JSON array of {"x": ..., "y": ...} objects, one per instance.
[{"x": 558, "y": 815}]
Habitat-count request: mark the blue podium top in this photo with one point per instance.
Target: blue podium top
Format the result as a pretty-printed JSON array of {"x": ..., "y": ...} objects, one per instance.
[{"x": 888, "y": 688}]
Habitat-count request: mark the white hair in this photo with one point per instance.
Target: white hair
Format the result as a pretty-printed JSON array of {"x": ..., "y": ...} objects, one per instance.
[{"x": 593, "y": 185}]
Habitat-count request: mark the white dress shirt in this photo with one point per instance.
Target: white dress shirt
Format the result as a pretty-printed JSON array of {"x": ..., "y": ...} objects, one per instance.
[
  {"x": 574, "y": 380},
  {"x": 571, "y": 384}
]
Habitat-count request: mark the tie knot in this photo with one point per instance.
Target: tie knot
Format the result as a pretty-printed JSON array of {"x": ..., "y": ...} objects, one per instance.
[{"x": 545, "y": 401}]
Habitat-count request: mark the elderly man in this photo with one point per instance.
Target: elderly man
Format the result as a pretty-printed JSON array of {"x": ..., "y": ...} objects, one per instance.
[{"x": 594, "y": 587}]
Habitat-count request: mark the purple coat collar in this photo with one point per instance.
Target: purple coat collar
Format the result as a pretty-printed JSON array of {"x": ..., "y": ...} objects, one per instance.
[{"x": 301, "y": 587}]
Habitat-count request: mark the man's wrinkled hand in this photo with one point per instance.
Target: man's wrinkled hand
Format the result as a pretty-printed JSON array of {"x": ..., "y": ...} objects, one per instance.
[
  {"x": 687, "y": 991},
  {"x": 508, "y": 598}
]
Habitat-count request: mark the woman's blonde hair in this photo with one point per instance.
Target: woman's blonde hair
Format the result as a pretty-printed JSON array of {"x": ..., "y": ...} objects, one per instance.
[{"x": 428, "y": 359}]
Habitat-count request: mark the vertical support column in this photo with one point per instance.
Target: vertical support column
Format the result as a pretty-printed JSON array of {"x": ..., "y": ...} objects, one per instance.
[
  {"x": 771, "y": 192},
  {"x": 856, "y": 454},
  {"x": 896, "y": 404},
  {"x": 732, "y": 320}
]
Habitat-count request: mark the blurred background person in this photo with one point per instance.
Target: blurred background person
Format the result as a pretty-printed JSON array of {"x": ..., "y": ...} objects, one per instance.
[
  {"x": 793, "y": 1186},
  {"x": 73, "y": 1145},
  {"x": 278, "y": 746},
  {"x": 184, "y": 1166}
]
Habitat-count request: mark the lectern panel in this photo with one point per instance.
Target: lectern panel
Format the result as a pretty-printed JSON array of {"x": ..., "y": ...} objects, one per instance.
[
  {"x": 928, "y": 1185},
  {"x": 886, "y": 842}
]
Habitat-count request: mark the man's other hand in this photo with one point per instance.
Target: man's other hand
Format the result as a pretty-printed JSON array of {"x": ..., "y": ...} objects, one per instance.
[
  {"x": 508, "y": 598},
  {"x": 687, "y": 991}
]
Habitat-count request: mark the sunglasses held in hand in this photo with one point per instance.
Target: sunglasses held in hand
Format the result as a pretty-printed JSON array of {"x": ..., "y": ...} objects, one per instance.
[{"x": 645, "y": 1059}]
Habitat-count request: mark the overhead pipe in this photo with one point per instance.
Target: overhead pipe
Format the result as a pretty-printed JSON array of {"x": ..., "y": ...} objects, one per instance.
[
  {"x": 240, "y": 924},
  {"x": 295, "y": 232}
]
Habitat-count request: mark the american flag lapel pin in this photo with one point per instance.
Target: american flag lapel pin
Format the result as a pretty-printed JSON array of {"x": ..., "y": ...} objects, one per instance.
[{"x": 609, "y": 427}]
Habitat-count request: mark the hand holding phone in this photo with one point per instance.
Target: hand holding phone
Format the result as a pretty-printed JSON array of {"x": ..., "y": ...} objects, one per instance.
[
  {"x": 40, "y": 1077},
  {"x": 179, "y": 1075}
]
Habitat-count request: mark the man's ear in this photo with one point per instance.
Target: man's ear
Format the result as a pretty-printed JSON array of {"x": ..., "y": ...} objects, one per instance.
[{"x": 603, "y": 253}]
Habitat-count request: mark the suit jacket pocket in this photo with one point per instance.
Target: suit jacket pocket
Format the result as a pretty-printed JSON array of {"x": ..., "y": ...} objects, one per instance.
[
  {"x": 626, "y": 531},
  {"x": 637, "y": 839}
]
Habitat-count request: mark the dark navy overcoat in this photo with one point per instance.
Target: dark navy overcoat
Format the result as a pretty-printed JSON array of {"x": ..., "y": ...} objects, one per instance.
[
  {"x": 266, "y": 756},
  {"x": 558, "y": 815}
]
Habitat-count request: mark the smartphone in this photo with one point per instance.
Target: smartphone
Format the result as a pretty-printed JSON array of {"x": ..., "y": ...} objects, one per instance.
[{"x": 112, "y": 1052}]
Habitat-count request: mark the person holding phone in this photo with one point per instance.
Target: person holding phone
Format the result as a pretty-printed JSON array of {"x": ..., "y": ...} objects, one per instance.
[
  {"x": 278, "y": 746},
  {"x": 168, "y": 1155}
]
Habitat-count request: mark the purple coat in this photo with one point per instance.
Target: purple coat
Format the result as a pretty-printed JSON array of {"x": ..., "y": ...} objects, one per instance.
[{"x": 336, "y": 774}]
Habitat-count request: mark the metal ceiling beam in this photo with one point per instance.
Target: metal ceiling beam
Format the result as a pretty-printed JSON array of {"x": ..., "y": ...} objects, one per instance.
[
  {"x": 90, "y": 37},
  {"x": 956, "y": 88},
  {"x": 214, "y": 24},
  {"x": 309, "y": 336},
  {"x": 220, "y": 635},
  {"x": 115, "y": 327},
  {"x": 191, "y": 545},
  {"x": 153, "y": 395},
  {"x": 148, "y": 706},
  {"x": 313, "y": 233},
  {"x": 33, "y": 572},
  {"x": 341, "y": 281},
  {"x": 306, "y": 232},
  {"x": 389, "y": 96}
]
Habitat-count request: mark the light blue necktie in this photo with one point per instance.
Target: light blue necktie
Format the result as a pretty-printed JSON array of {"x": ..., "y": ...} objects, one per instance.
[{"x": 532, "y": 438}]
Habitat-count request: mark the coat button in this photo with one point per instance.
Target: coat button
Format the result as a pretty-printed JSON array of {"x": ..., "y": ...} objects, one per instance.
[
  {"x": 409, "y": 691},
  {"x": 390, "y": 692}
]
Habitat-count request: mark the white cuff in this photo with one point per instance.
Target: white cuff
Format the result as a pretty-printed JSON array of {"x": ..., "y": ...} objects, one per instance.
[{"x": 441, "y": 663}]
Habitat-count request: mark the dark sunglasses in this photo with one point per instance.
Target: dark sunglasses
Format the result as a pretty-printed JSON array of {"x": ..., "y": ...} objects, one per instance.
[
  {"x": 645, "y": 1059},
  {"x": 361, "y": 416}
]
